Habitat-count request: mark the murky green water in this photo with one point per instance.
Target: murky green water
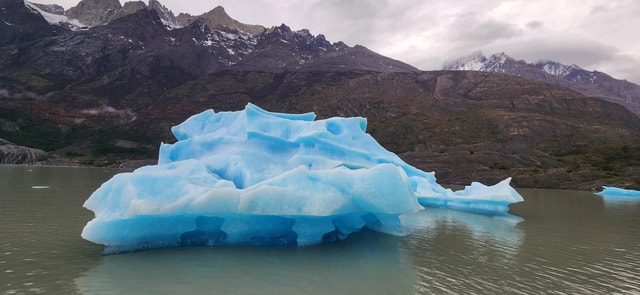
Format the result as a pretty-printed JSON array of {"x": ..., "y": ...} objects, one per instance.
[{"x": 570, "y": 243}]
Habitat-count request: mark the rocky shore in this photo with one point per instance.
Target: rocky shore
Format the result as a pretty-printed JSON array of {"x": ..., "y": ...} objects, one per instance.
[{"x": 11, "y": 153}]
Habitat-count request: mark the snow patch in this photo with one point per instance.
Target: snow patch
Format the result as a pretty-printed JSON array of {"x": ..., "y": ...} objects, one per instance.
[{"x": 56, "y": 19}]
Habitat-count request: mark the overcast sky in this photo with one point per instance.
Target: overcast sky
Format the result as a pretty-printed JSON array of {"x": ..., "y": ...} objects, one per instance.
[{"x": 593, "y": 34}]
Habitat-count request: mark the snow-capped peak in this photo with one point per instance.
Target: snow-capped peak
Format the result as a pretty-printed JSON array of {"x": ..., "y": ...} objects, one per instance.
[
  {"x": 500, "y": 58},
  {"x": 472, "y": 62},
  {"x": 478, "y": 62},
  {"x": 502, "y": 63},
  {"x": 556, "y": 68}
]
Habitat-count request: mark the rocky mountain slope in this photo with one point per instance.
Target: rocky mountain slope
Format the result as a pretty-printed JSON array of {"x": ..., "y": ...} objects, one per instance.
[
  {"x": 19, "y": 24},
  {"x": 105, "y": 94},
  {"x": 14, "y": 154},
  {"x": 218, "y": 18},
  {"x": 91, "y": 13},
  {"x": 589, "y": 83},
  {"x": 463, "y": 125},
  {"x": 134, "y": 59}
]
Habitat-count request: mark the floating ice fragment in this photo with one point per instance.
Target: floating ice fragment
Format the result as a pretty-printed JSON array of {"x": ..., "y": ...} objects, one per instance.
[
  {"x": 254, "y": 177},
  {"x": 615, "y": 192},
  {"x": 477, "y": 198}
]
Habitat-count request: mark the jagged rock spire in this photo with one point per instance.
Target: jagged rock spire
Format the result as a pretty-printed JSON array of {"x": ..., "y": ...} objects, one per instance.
[
  {"x": 218, "y": 18},
  {"x": 96, "y": 12}
]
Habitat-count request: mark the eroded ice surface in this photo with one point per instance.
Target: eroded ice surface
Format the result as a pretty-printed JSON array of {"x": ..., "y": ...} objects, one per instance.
[{"x": 260, "y": 178}]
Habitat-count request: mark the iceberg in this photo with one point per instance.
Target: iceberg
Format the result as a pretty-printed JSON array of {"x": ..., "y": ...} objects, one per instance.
[
  {"x": 254, "y": 177},
  {"x": 615, "y": 192}
]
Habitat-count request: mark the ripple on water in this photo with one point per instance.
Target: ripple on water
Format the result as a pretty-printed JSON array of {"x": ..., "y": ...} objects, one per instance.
[{"x": 569, "y": 243}]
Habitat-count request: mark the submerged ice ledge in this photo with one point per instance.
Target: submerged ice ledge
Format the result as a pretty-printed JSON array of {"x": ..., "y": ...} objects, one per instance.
[{"x": 254, "y": 177}]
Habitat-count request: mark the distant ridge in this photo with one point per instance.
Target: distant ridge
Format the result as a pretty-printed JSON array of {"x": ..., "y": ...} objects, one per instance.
[
  {"x": 91, "y": 13},
  {"x": 217, "y": 18},
  {"x": 589, "y": 83}
]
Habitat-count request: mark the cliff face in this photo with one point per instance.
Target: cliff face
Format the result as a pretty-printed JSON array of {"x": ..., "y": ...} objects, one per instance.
[
  {"x": 218, "y": 18},
  {"x": 95, "y": 12}
]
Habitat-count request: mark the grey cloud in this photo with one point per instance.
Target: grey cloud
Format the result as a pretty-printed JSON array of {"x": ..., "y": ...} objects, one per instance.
[
  {"x": 350, "y": 9},
  {"x": 582, "y": 52},
  {"x": 362, "y": 22},
  {"x": 471, "y": 32},
  {"x": 534, "y": 25},
  {"x": 621, "y": 66}
]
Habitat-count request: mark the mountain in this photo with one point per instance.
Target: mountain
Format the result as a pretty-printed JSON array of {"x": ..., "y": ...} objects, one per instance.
[
  {"x": 218, "y": 18},
  {"x": 95, "y": 12},
  {"x": 589, "y": 83},
  {"x": 105, "y": 94},
  {"x": 138, "y": 54},
  {"x": 108, "y": 73},
  {"x": 91, "y": 13},
  {"x": 20, "y": 23}
]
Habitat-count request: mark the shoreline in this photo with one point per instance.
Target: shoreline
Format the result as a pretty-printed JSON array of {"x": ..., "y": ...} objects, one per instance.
[{"x": 130, "y": 165}]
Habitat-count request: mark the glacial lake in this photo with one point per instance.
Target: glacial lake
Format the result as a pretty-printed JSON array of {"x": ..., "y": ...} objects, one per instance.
[{"x": 570, "y": 242}]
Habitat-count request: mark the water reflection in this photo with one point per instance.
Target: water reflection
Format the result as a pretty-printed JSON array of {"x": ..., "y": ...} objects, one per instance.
[
  {"x": 40, "y": 218},
  {"x": 573, "y": 244},
  {"x": 621, "y": 201},
  {"x": 570, "y": 242},
  {"x": 479, "y": 227},
  {"x": 355, "y": 266},
  {"x": 458, "y": 252}
]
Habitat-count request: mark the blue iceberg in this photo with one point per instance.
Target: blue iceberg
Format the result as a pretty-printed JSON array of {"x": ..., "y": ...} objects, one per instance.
[
  {"x": 254, "y": 177},
  {"x": 615, "y": 192}
]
